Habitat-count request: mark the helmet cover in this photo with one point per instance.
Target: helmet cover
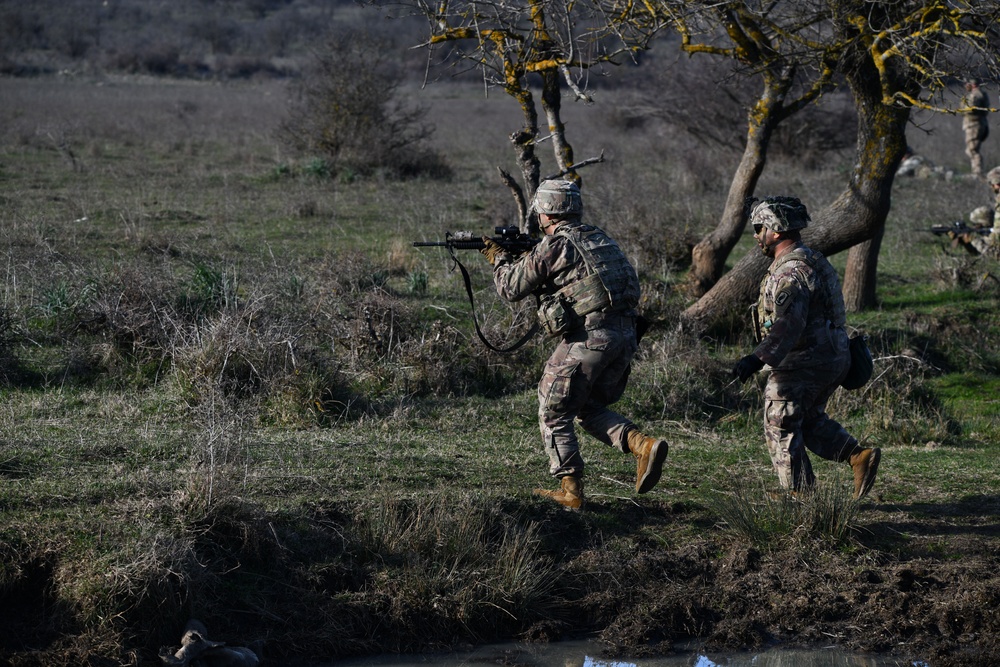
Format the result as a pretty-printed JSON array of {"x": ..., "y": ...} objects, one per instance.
[
  {"x": 779, "y": 214},
  {"x": 993, "y": 176},
  {"x": 981, "y": 216},
  {"x": 558, "y": 198}
]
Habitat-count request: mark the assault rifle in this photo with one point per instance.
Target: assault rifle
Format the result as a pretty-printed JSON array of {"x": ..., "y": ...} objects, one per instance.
[
  {"x": 514, "y": 241},
  {"x": 959, "y": 228},
  {"x": 963, "y": 235},
  {"x": 510, "y": 239}
]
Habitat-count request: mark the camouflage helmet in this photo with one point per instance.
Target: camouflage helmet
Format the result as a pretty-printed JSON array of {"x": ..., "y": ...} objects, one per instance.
[
  {"x": 993, "y": 176},
  {"x": 558, "y": 198},
  {"x": 779, "y": 214},
  {"x": 982, "y": 216}
]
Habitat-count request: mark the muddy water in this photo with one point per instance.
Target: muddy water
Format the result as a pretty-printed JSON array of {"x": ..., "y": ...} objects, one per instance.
[{"x": 587, "y": 654}]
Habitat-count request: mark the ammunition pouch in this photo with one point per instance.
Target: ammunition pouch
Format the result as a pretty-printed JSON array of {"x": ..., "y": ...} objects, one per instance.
[
  {"x": 556, "y": 316},
  {"x": 567, "y": 309}
]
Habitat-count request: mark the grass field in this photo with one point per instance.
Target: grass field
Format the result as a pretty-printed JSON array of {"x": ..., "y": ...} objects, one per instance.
[{"x": 233, "y": 390}]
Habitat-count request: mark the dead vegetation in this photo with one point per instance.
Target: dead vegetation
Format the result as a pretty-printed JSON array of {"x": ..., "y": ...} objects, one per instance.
[{"x": 233, "y": 391}]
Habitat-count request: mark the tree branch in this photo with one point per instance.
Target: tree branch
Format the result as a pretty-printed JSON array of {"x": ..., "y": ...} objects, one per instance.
[{"x": 574, "y": 167}]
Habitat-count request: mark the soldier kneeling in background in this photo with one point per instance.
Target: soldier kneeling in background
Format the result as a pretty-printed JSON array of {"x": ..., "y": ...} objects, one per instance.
[{"x": 983, "y": 238}]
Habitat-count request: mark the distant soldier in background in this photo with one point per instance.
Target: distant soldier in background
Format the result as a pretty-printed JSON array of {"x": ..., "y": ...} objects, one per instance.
[
  {"x": 589, "y": 292},
  {"x": 989, "y": 244},
  {"x": 982, "y": 236},
  {"x": 801, "y": 321},
  {"x": 993, "y": 179},
  {"x": 975, "y": 124}
]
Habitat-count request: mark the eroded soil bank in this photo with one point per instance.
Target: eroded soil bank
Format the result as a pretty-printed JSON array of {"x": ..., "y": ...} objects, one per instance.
[
  {"x": 924, "y": 586},
  {"x": 916, "y": 582}
]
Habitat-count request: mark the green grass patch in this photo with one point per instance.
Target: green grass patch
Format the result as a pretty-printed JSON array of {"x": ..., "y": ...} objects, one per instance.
[{"x": 236, "y": 390}]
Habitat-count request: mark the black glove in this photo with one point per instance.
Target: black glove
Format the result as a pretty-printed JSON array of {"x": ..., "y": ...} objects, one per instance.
[
  {"x": 747, "y": 366},
  {"x": 491, "y": 249}
]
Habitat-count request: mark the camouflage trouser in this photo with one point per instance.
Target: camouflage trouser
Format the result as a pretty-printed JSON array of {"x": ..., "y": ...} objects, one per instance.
[
  {"x": 587, "y": 372},
  {"x": 987, "y": 245},
  {"x": 975, "y": 134},
  {"x": 795, "y": 419}
]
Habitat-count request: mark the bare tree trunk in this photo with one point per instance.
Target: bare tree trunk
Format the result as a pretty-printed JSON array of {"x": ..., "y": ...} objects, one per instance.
[
  {"x": 881, "y": 144},
  {"x": 729, "y": 297},
  {"x": 856, "y": 216},
  {"x": 552, "y": 105},
  {"x": 523, "y": 142},
  {"x": 860, "y": 276},
  {"x": 708, "y": 257},
  {"x": 525, "y": 138}
]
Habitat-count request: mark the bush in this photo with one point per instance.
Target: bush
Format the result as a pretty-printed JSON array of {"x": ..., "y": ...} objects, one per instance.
[{"x": 347, "y": 109}]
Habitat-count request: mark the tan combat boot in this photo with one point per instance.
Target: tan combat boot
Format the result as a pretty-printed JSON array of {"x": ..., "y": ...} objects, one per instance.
[
  {"x": 864, "y": 462},
  {"x": 569, "y": 495},
  {"x": 650, "y": 455}
]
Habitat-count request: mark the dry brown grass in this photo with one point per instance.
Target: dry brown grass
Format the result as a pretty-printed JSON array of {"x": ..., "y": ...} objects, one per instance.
[{"x": 229, "y": 392}]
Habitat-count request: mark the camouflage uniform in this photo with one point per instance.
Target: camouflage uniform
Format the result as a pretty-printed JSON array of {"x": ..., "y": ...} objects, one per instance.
[
  {"x": 986, "y": 216},
  {"x": 589, "y": 368},
  {"x": 801, "y": 316},
  {"x": 976, "y": 126},
  {"x": 990, "y": 243}
]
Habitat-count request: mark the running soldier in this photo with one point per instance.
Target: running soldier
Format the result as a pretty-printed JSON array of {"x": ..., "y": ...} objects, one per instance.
[
  {"x": 588, "y": 292},
  {"x": 975, "y": 124},
  {"x": 800, "y": 319}
]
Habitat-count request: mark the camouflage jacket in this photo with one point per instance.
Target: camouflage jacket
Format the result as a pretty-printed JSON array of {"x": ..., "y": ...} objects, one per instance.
[
  {"x": 800, "y": 312},
  {"x": 563, "y": 260},
  {"x": 981, "y": 101}
]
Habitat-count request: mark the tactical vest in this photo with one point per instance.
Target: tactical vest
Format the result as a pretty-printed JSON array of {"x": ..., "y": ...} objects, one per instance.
[
  {"x": 611, "y": 283},
  {"x": 822, "y": 282}
]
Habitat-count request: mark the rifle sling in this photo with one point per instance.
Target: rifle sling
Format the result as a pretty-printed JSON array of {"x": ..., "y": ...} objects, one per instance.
[{"x": 472, "y": 303}]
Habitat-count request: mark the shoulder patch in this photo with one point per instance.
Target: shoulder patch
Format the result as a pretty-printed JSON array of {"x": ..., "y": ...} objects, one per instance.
[{"x": 782, "y": 297}]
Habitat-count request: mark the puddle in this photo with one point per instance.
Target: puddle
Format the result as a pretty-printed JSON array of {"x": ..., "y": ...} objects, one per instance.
[{"x": 587, "y": 654}]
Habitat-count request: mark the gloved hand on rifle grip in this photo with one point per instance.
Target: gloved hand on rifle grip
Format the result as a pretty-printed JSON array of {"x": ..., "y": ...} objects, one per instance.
[
  {"x": 491, "y": 249},
  {"x": 747, "y": 366}
]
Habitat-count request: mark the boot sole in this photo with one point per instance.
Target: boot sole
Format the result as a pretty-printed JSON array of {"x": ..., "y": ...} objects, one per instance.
[
  {"x": 657, "y": 457},
  {"x": 869, "y": 480}
]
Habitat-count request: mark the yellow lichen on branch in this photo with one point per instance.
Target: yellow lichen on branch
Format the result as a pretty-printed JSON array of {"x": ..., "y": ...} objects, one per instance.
[
  {"x": 708, "y": 48},
  {"x": 933, "y": 22},
  {"x": 538, "y": 20},
  {"x": 547, "y": 64}
]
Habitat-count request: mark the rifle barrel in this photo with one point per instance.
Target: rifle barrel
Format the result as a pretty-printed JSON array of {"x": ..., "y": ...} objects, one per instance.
[
  {"x": 959, "y": 227},
  {"x": 517, "y": 246},
  {"x": 475, "y": 244}
]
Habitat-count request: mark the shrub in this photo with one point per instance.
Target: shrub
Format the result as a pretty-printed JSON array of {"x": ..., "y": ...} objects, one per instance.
[{"x": 347, "y": 109}]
